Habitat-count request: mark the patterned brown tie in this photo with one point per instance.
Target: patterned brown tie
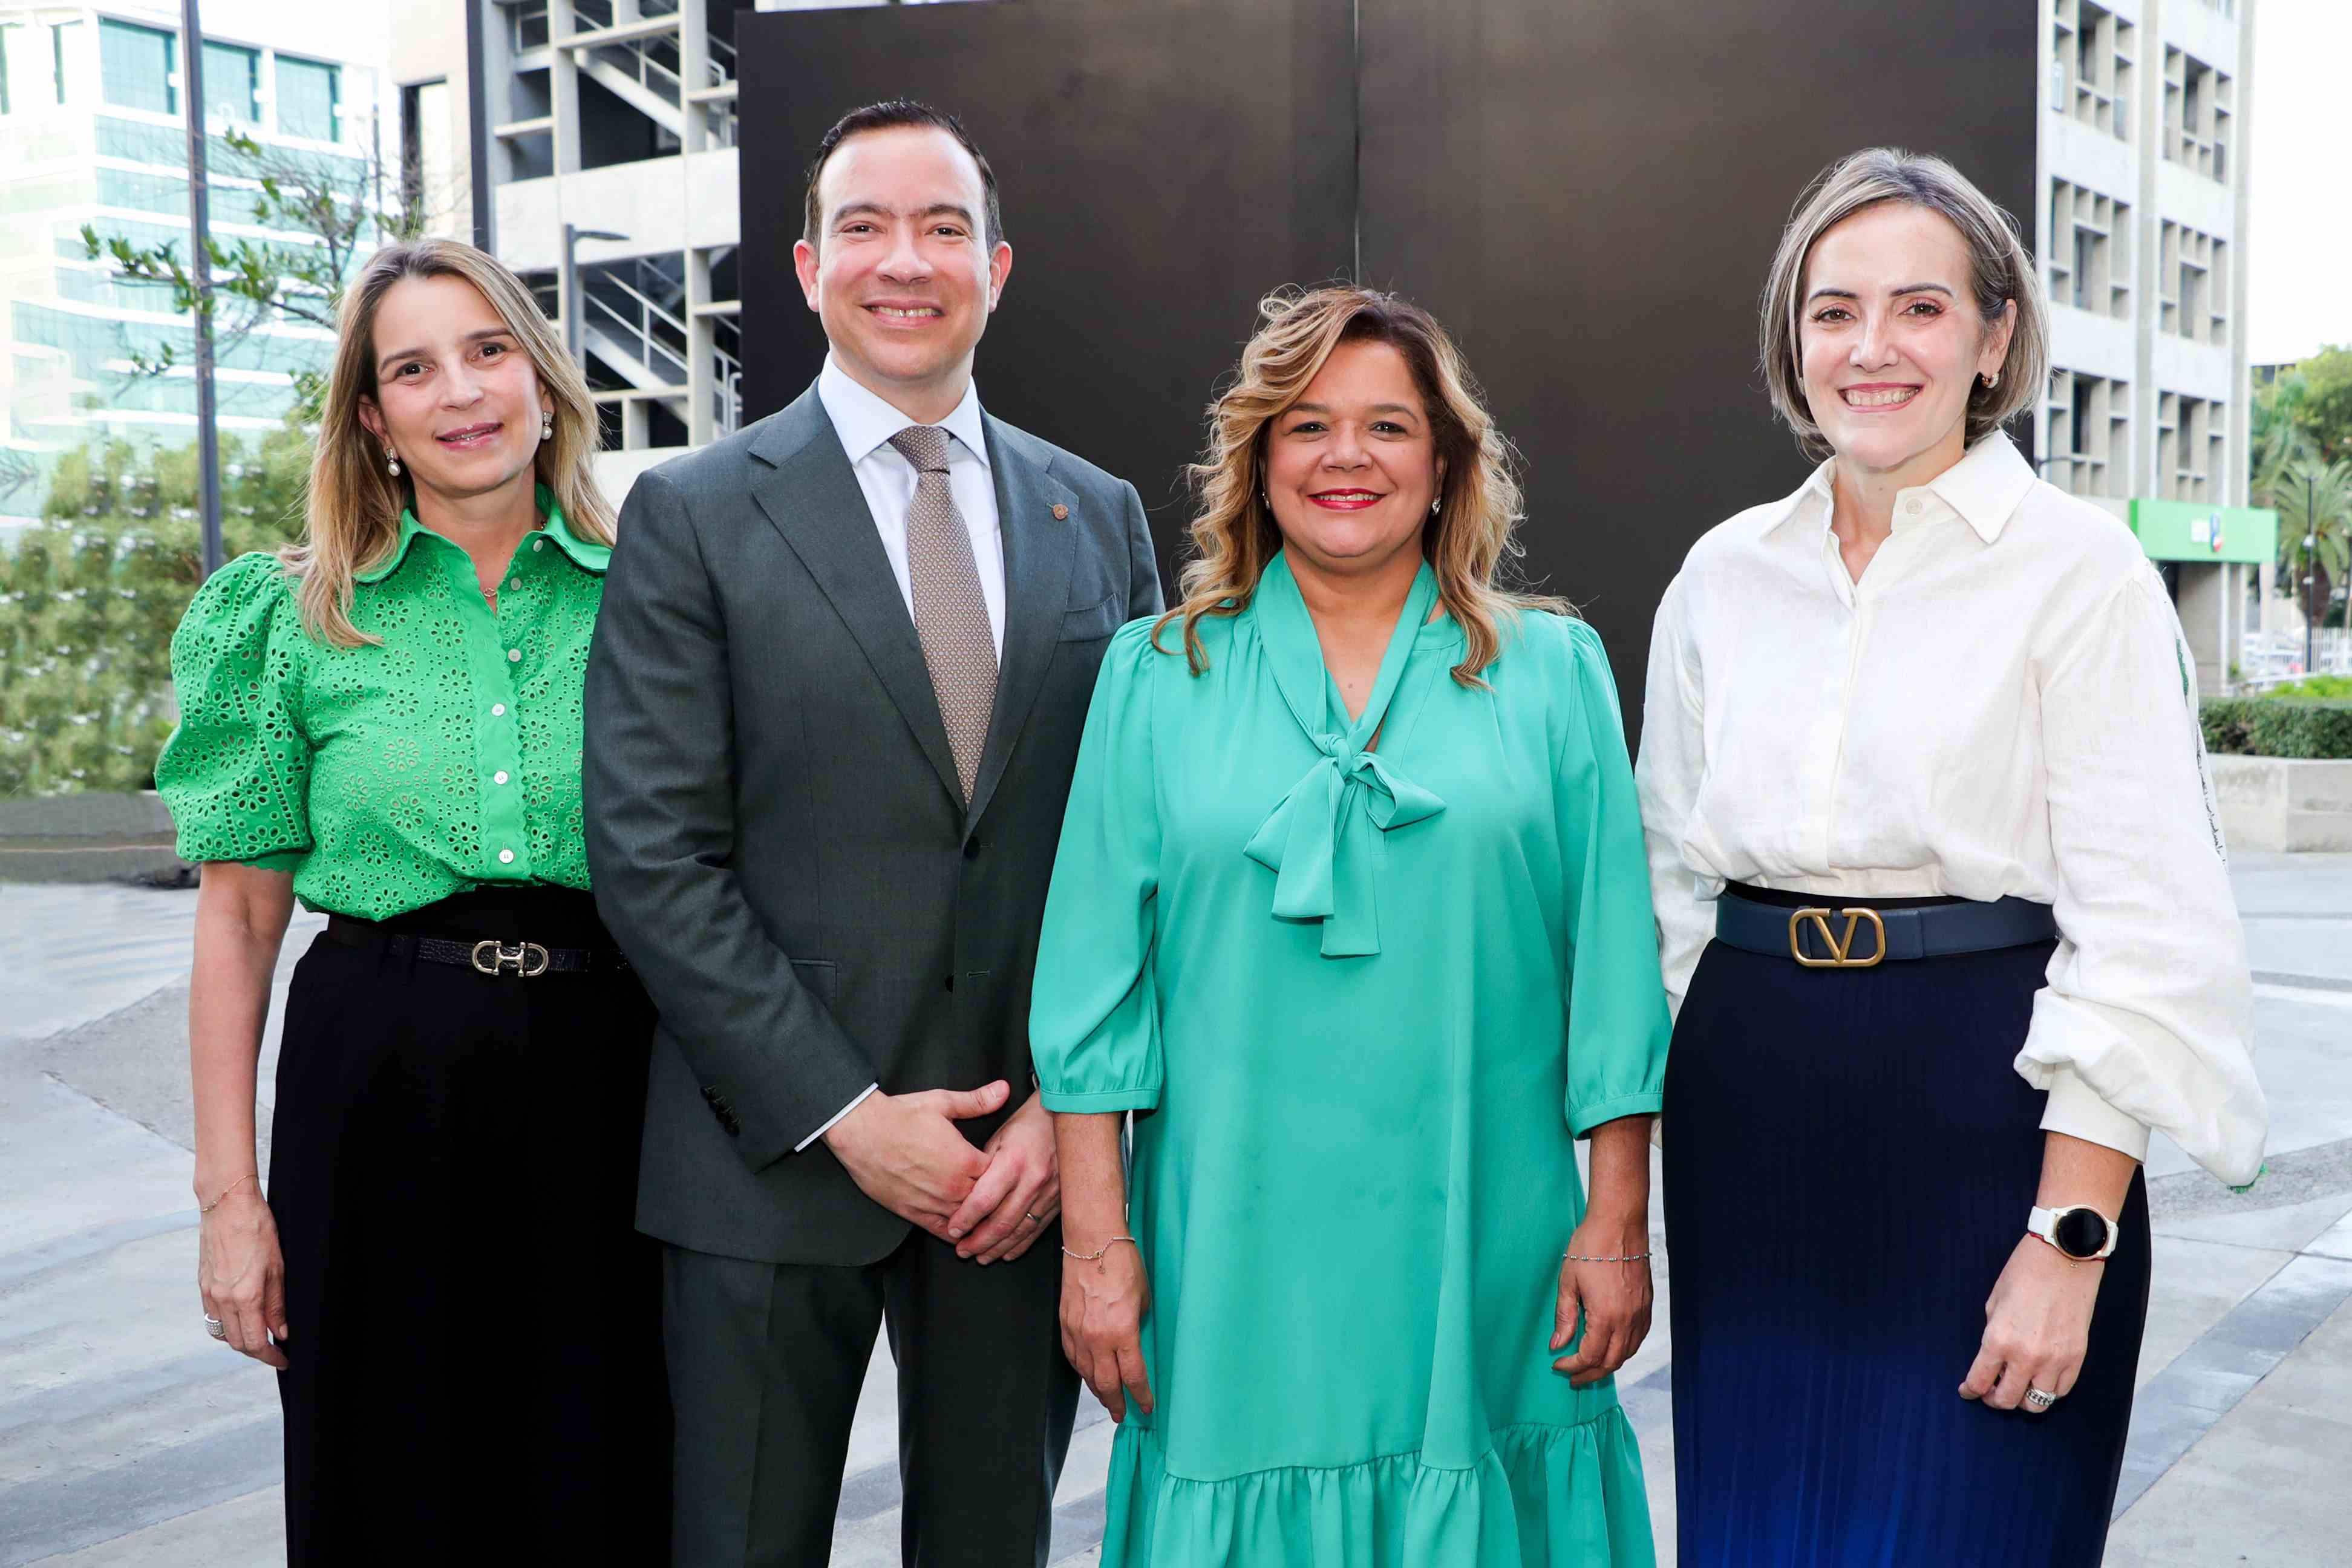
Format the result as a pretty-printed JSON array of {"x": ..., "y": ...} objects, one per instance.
[{"x": 950, "y": 616}]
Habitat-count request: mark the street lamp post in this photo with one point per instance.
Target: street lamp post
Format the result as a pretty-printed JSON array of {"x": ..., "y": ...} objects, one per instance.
[
  {"x": 2310, "y": 555},
  {"x": 200, "y": 266},
  {"x": 572, "y": 236}
]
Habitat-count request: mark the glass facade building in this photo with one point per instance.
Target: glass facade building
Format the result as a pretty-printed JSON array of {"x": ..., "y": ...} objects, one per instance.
[{"x": 91, "y": 135}]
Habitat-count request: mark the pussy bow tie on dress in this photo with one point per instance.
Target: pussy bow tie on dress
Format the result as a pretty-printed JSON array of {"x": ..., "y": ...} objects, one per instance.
[{"x": 1320, "y": 839}]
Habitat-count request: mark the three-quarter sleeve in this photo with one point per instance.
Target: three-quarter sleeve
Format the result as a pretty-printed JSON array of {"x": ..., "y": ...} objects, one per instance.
[
  {"x": 2147, "y": 1017},
  {"x": 1617, "y": 1020},
  {"x": 1673, "y": 760},
  {"x": 235, "y": 774},
  {"x": 1094, "y": 1021}
]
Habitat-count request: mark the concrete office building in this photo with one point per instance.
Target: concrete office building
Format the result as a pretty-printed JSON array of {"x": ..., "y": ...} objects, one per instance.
[
  {"x": 91, "y": 133},
  {"x": 2142, "y": 232}
]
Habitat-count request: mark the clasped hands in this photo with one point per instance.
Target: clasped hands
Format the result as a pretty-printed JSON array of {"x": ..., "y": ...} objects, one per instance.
[{"x": 991, "y": 1203}]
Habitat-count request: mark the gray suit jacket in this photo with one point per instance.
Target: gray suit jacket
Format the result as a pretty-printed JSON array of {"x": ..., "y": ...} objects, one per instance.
[{"x": 775, "y": 830}]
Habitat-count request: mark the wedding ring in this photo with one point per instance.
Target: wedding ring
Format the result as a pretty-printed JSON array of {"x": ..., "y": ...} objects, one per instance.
[
  {"x": 2040, "y": 1399},
  {"x": 214, "y": 1327},
  {"x": 1032, "y": 1218}
]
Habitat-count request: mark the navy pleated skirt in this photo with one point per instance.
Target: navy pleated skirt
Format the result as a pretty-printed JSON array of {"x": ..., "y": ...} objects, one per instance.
[{"x": 1849, "y": 1156}]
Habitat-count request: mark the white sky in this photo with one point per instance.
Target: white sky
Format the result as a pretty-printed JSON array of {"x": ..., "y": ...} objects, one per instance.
[{"x": 2299, "y": 239}]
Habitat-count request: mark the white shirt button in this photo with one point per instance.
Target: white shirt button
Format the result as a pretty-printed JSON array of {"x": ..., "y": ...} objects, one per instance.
[
  {"x": 498, "y": 710},
  {"x": 1912, "y": 505},
  {"x": 512, "y": 583},
  {"x": 499, "y": 777},
  {"x": 514, "y": 656},
  {"x": 537, "y": 545},
  {"x": 505, "y": 857}
]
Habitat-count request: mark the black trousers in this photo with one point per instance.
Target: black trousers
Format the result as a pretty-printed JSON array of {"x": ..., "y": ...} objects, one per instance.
[
  {"x": 476, "y": 1373},
  {"x": 765, "y": 1364}
]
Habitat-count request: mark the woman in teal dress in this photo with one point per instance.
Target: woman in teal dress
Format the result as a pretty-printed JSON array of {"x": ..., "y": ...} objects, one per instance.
[{"x": 1350, "y": 910}]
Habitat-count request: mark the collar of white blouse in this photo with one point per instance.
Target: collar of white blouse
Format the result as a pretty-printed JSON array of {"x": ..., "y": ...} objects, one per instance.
[{"x": 1985, "y": 489}]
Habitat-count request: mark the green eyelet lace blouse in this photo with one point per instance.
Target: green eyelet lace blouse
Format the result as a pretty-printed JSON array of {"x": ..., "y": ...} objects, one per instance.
[{"x": 391, "y": 775}]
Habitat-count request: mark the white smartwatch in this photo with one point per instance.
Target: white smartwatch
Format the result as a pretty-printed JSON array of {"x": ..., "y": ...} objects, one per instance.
[{"x": 2083, "y": 1235}]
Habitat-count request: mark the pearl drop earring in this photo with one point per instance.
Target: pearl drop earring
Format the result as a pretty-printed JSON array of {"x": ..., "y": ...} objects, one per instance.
[
  {"x": 392, "y": 462},
  {"x": 547, "y": 426}
]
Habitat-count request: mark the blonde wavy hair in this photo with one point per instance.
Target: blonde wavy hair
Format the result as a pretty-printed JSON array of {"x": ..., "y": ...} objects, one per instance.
[
  {"x": 352, "y": 506},
  {"x": 1468, "y": 542}
]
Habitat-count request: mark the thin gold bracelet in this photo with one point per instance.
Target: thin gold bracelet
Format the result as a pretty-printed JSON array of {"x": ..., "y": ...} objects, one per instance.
[
  {"x": 254, "y": 1177},
  {"x": 1099, "y": 1252},
  {"x": 1584, "y": 1257}
]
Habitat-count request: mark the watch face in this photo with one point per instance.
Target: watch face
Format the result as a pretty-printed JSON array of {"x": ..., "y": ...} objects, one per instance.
[{"x": 2081, "y": 1233}]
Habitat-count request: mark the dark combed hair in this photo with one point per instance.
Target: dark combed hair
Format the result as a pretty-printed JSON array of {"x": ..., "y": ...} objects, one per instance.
[{"x": 894, "y": 115}]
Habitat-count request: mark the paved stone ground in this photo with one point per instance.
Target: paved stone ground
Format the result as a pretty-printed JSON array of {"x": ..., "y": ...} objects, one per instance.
[{"x": 127, "y": 1440}]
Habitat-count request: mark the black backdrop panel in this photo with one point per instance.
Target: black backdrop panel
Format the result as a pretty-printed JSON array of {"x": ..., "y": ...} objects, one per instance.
[
  {"x": 1588, "y": 194},
  {"x": 1161, "y": 166}
]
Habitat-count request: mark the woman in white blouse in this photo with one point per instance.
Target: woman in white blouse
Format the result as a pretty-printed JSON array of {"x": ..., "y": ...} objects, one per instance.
[{"x": 1920, "y": 756}]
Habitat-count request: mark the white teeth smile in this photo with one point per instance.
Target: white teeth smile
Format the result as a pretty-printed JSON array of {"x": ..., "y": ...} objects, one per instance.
[
  {"x": 1347, "y": 495},
  {"x": 1893, "y": 398},
  {"x": 893, "y": 312}
]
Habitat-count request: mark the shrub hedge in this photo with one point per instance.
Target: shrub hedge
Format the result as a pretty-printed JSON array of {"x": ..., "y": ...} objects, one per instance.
[{"x": 2278, "y": 727}]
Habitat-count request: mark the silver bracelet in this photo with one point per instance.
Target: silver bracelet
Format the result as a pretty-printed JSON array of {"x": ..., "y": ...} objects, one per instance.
[
  {"x": 1585, "y": 1258},
  {"x": 1105, "y": 1246}
]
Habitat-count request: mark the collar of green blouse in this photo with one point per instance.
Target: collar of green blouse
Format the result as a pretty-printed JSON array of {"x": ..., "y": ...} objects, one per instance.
[{"x": 588, "y": 557}]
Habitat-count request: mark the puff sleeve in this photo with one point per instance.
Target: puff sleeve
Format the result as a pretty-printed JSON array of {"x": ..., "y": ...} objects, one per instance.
[
  {"x": 236, "y": 772},
  {"x": 1094, "y": 1020},
  {"x": 1617, "y": 1021}
]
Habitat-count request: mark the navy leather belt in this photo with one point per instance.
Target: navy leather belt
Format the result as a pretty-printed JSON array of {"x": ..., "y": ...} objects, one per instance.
[{"x": 1833, "y": 934}]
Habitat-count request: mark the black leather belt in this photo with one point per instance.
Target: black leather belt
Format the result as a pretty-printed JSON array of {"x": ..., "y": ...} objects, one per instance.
[
  {"x": 524, "y": 960},
  {"x": 1854, "y": 935}
]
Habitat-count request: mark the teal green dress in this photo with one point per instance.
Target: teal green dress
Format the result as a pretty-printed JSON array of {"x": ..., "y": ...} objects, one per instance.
[{"x": 1363, "y": 1005}]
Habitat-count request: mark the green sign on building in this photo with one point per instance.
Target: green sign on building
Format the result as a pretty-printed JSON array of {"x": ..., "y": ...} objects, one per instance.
[{"x": 2191, "y": 530}]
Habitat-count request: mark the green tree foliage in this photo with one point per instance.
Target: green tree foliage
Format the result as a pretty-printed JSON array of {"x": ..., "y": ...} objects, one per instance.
[
  {"x": 2301, "y": 430},
  {"x": 2314, "y": 503},
  {"x": 329, "y": 207},
  {"x": 2323, "y": 411},
  {"x": 2276, "y": 434},
  {"x": 91, "y": 596}
]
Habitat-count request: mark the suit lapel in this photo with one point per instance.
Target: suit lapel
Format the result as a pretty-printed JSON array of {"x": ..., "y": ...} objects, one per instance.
[
  {"x": 1037, "y": 547},
  {"x": 814, "y": 500}
]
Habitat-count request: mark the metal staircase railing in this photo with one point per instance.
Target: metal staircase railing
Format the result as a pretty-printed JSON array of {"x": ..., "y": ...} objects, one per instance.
[{"x": 649, "y": 347}]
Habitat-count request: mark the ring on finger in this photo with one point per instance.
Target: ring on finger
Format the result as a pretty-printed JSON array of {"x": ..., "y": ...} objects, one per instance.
[
  {"x": 1032, "y": 1218},
  {"x": 2040, "y": 1398},
  {"x": 214, "y": 1326}
]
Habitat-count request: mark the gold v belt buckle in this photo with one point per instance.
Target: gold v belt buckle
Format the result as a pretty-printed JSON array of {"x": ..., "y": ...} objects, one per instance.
[{"x": 1841, "y": 946}]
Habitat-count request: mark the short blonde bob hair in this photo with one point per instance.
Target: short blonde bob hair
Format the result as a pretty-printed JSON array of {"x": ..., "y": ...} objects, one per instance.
[
  {"x": 1234, "y": 534},
  {"x": 352, "y": 509},
  {"x": 1999, "y": 269}
]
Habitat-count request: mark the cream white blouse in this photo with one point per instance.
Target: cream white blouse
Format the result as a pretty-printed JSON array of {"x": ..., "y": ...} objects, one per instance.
[{"x": 2003, "y": 705}]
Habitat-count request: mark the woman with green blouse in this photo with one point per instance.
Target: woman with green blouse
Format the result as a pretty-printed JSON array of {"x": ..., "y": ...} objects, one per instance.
[
  {"x": 1351, "y": 913},
  {"x": 385, "y": 723}
]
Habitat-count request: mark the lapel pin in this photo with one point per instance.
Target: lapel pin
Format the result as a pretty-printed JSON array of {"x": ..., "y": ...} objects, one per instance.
[{"x": 1061, "y": 512}]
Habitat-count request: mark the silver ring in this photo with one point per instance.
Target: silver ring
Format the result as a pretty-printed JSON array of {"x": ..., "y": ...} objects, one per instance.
[
  {"x": 2040, "y": 1398},
  {"x": 214, "y": 1327},
  {"x": 1032, "y": 1218}
]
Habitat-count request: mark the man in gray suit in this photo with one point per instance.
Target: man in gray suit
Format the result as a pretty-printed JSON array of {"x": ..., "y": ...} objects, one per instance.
[{"x": 834, "y": 704}]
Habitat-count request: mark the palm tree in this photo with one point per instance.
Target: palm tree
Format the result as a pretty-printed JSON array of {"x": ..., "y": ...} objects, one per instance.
[{"x": 2314, "y": 503}]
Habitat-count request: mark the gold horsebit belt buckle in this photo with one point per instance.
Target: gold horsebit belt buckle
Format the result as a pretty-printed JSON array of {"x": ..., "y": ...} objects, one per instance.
[
  {"x": 1841, "y": 947},
  {"x": 525, "y": 959}
]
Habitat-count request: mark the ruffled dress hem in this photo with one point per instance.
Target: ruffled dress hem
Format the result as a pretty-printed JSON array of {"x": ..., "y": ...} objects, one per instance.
[{"x": 1541, "y": 1496}]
